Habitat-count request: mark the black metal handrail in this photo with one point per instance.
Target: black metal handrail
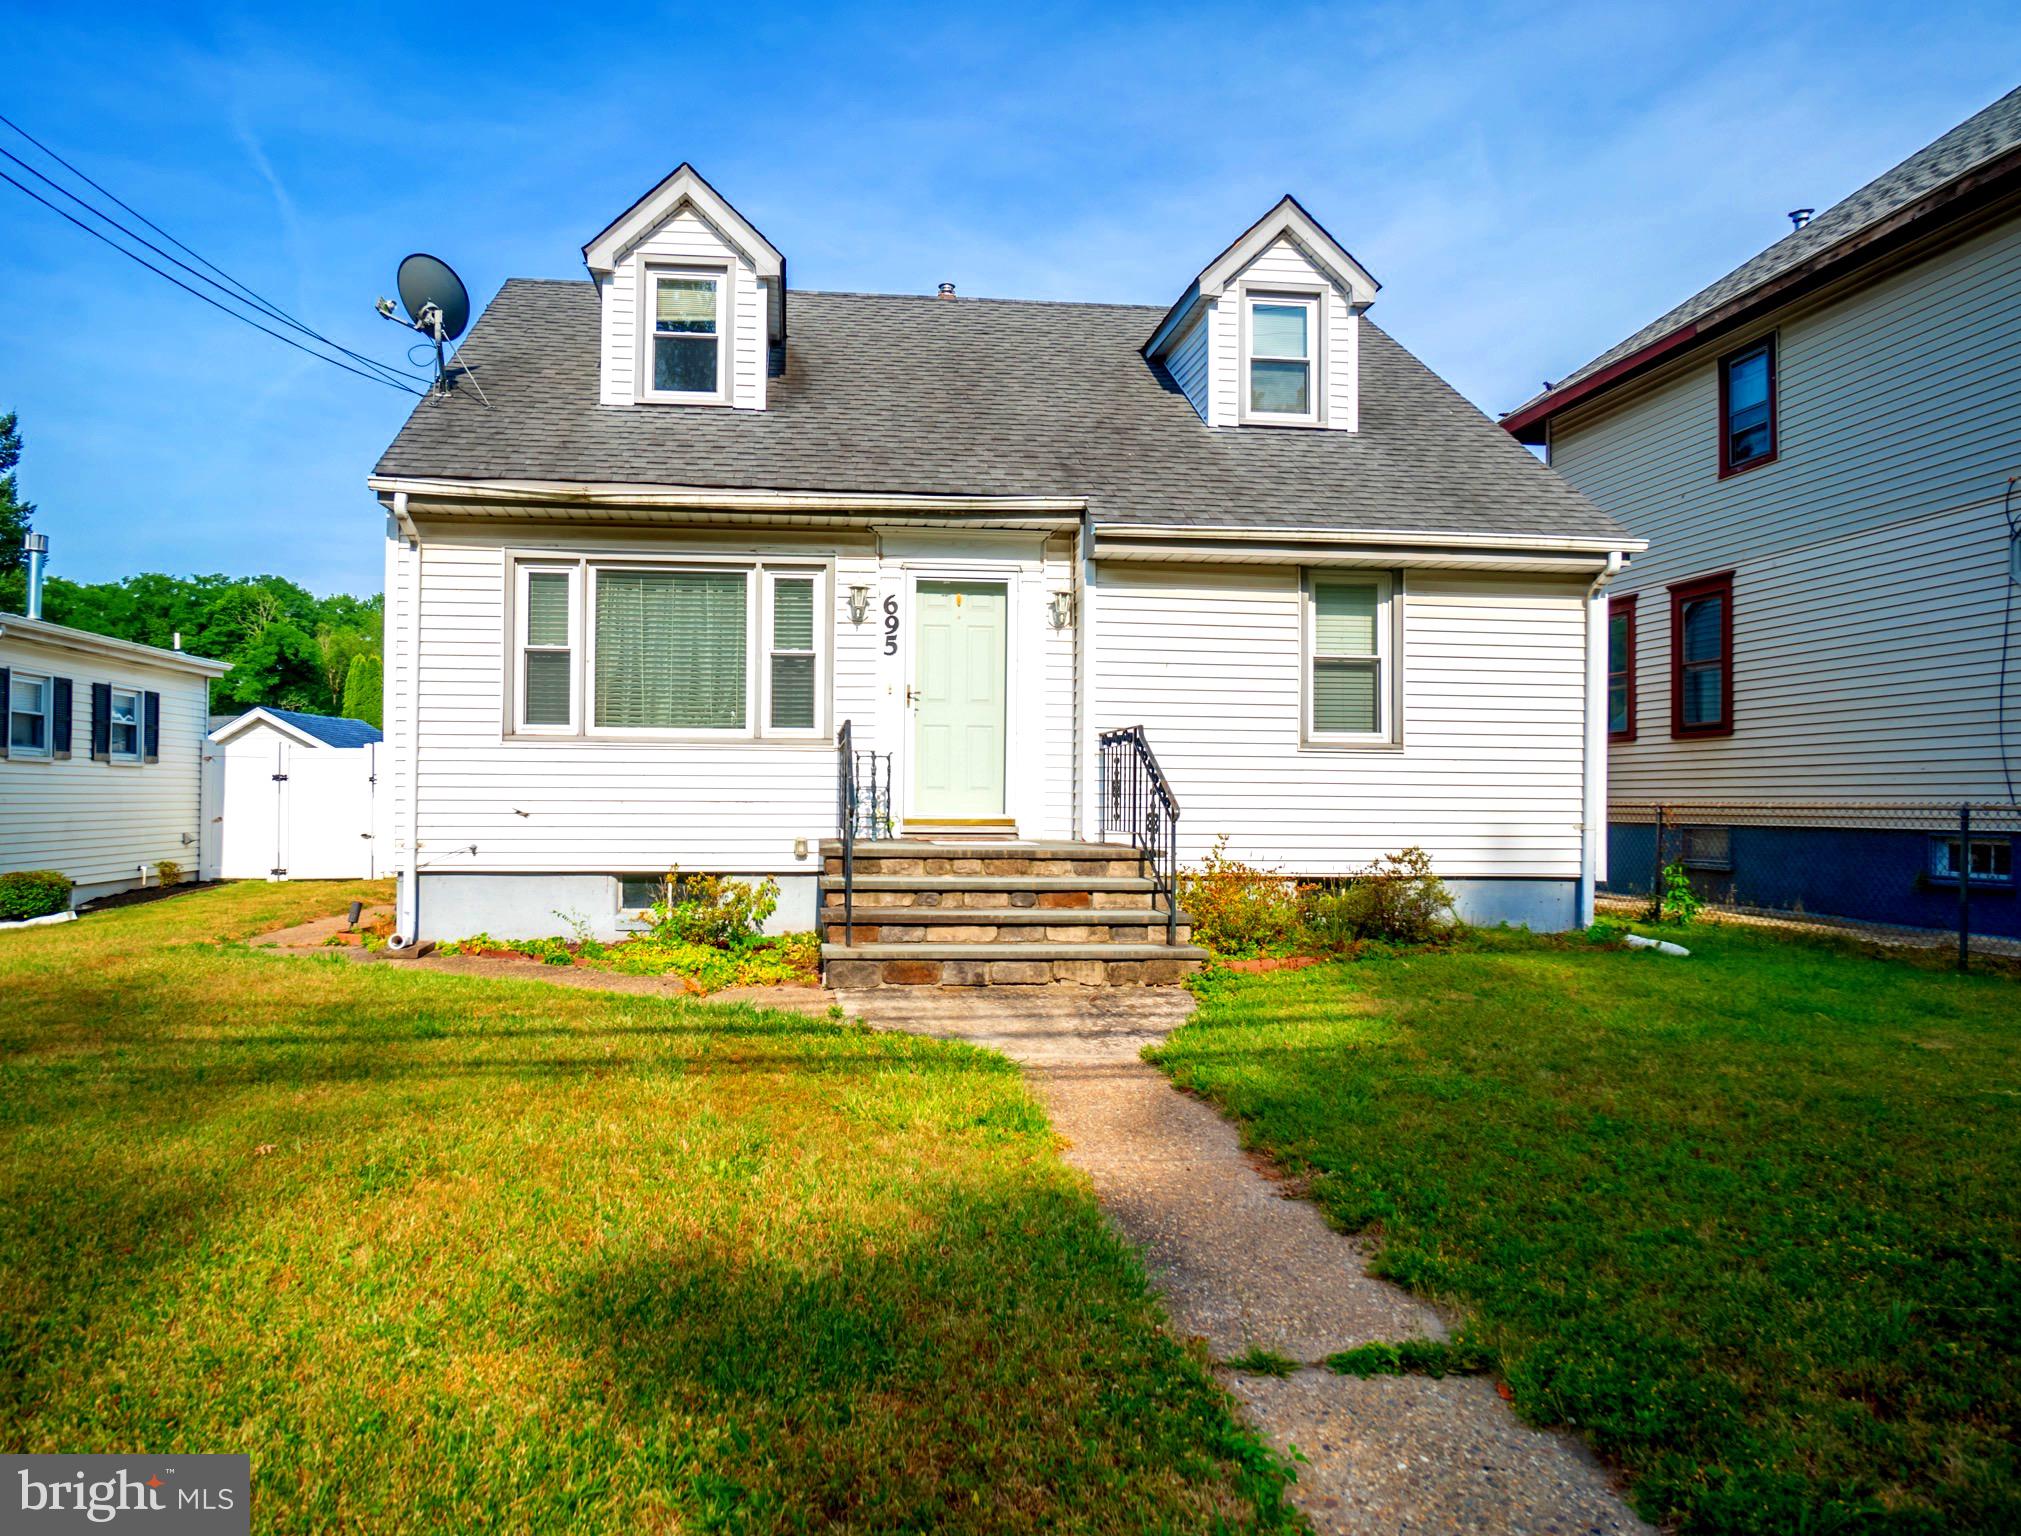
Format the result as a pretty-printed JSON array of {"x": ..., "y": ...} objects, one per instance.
[
  {"x": 1135, "y": 798},
  {"x": 862, "y": 809},
  {"x": 845, "y": 823}
]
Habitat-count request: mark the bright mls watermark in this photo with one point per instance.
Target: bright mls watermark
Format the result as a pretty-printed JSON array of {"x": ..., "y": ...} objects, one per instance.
[{"x": 166, "y": 1495}]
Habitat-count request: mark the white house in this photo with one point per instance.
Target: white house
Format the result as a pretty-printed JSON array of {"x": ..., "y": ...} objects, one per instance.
[
  {"x": 706, "y": 526},
  {"x": 1808, "y": 668},
  {"x": 293, "y": 795},
  {"x": 99, "y": 763}
]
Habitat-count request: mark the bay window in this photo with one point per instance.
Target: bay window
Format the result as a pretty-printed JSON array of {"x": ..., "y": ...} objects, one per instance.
[
  {"x": 1348, "y": 657},
  {"x": 662, "y": 649}
]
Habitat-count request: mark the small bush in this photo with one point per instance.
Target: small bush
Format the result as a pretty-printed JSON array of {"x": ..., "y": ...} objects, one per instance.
[
  {"x": 1237, "y": 909},
  {"x": 29, "y": 893},
  {"x": 1396, "y": 900},
  {"x": 168, "y": 872},
  {"x": 1678, "y": 903},
  {"x": 712, "y": 910}
]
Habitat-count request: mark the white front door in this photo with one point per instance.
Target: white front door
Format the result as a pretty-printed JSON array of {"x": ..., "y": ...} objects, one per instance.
[{"x": 958, "y": 700}]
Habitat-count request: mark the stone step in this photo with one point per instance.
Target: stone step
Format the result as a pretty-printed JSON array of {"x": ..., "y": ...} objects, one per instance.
[
  {"x": 1041, "y": 892},
  {"x": 851, "y": 967},
  {"x": 940, "y": 863},
  {"x": 1021, "y": 925}
]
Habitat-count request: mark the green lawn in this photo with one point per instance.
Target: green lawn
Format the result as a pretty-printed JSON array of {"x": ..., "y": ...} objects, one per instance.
[
  {"x": 449, "y": 1253},
  {"x": 1747, "y": 1219}
]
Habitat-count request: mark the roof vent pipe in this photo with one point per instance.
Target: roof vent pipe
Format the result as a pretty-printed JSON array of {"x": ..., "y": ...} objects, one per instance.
[
  {"x": 1798, "y": 217},
  {"x": 36, "y": 547},
  {"x": 946, "y": 290}
]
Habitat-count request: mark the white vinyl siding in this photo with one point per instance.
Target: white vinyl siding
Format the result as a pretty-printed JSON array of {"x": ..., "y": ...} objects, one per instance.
[
  {"x": 1189, "y": 363},
  {"x": 1283, "y": 268},
  {"x": 570, "y": 804},
  {"x": 1488, "y": 777},
  {"x": 1869, "y": 558},
  {"x": 689, "y": 242},
  {"x": 98, "y": 821}
]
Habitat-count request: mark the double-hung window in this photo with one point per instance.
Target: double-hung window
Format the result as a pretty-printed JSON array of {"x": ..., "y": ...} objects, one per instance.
[
  {"x": 1348, "y": 650},
  {"x": 124, "y": 737},
  {"x": 684, "y": 335},
  {"x": 1621, "y": 668},
  {"x": 28, "y": 712},
  {"x": 636, "y": 648},
  {"x": 1701, "y": 657},
  {"x": 547, "y": 649},
  {"x": 792, "y": 671},
  {"x": 1747, "y": 407},
  {"x": 1282, "y": 363}
]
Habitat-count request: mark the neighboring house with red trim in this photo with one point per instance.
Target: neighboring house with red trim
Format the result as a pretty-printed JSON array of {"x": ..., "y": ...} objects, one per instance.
[{"x": 1818, "y": 448}]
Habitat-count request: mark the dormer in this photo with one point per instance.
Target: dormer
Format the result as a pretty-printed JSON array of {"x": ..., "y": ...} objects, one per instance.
[
  {"x": 1268, "y": 333},
  {"x": 693, "y": 300}
]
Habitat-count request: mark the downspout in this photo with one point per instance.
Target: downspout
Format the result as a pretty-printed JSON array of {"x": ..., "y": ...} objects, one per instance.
[
  {"x": 1084, "y": 643},
  {"x": 1593, "y": 828},
  {"x": 408, "y": 918}
]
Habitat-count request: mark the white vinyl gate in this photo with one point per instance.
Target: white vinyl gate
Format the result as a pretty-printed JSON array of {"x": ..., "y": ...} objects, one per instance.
[{"x": 289, "y": 812}]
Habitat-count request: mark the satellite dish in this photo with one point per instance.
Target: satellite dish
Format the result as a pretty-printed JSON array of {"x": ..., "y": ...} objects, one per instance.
[{"x": 429, "y": 280}]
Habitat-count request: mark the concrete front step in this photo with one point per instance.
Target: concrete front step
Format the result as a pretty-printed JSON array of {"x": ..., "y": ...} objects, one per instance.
[
  {"x": 978, "y": 965},
  {"x": 1024, "y": 925}
]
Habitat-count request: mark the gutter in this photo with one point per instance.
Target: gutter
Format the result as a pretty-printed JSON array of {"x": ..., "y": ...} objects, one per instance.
[
  {"x": 86, "y": 643},
  {"x": 711, "y": 498},
  {"x": 1615, "y": 543},
  {"x": 1593, "y": 781}
]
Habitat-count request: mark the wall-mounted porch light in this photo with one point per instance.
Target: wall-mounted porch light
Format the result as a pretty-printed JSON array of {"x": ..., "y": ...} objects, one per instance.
[
  {"x": 859, "y": 604},
  {"x": 1060, "y": 611}
]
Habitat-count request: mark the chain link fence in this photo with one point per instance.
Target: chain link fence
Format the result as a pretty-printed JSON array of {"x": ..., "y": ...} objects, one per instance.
[{"x": 1903, "y": 872}]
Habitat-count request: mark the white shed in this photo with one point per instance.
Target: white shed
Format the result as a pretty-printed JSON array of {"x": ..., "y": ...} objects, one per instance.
[{"x": 294, "y": 797}]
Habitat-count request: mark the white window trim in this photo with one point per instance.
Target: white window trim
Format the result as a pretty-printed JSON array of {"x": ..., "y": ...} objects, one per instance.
[
  {"x": 1388, "y": 689},
  {"x": 646, "y": 287},
  {"x": 1314, "y": 299},
  {"x": 522, "y": 569},
  {"x": 139, "y": 697},
  {"x": 823, "y": 609},
  {"x": 48, "y": 748},
  {"x": 1940, "y": 850},
  {"x": 759, "y": 575}
]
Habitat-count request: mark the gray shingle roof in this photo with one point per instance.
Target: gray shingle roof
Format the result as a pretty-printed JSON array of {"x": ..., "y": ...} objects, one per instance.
[
  {"x": 1980, "y": 138},
  {"x": 892, "y": 393}
]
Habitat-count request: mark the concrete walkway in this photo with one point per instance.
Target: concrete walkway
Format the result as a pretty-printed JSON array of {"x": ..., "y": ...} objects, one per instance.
[{"x": 1241, "y": 1266}]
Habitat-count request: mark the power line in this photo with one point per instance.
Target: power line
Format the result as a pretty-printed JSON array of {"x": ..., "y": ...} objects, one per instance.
[
  {"x": 250, "y": 294},
  {"x": 237, "y": 291},
  {"x": 199, "y": 294}
]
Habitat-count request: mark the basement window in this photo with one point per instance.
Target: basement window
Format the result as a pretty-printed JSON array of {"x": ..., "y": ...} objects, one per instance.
[{"x": 1992, "y": 860}]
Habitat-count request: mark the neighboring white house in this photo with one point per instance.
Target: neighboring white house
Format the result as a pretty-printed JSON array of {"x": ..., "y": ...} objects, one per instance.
[
  {"x": 292, "y": 797},
  {"x": 1808, "y": 666},
  {"x": 100, "y": 772},
  {"x": 703, "y": 523}
]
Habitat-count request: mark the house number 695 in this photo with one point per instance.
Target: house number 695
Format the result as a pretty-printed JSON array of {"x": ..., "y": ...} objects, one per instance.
[{"x": 891, "y": 626}]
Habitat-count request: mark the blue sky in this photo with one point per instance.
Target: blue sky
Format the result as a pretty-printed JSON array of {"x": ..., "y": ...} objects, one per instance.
[{"x": 1529, "y": 183}]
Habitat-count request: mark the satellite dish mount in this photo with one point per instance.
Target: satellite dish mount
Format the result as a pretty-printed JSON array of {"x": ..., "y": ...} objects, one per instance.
[{"x": 437, "y": 305}]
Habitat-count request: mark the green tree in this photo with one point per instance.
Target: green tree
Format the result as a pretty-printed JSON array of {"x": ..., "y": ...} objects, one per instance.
[
  {"x": 281, "y": 666},
  {"x": 16, "y": 518},
  {"x": 364, "y": 689}
]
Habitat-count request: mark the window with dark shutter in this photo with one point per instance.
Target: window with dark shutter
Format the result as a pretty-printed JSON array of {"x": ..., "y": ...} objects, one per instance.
[
  {"x": 150, "y": 722},
  {"x": 101, "y": 722},
  {"x": 59, "y": 731}
]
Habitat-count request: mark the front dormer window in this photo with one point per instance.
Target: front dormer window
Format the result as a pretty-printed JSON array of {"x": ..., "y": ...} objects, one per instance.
[
  {"x": 1280, "y": 361},
  {"x": 685, "y": 360}
]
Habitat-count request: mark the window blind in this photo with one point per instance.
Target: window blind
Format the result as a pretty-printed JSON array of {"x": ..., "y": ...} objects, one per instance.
[
  {"x": 793, "y": 674},
  {"x": 670, "y": 649}
]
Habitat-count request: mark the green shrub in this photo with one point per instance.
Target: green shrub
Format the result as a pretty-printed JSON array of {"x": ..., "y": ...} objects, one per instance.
[
  {"x": 1678, "y": 903},
  {"x": 1236, "y": 909},
  {"x": 1396, "y": 900},
  {"x": 712, "y": 910},
  {"x": 33, "y": 893}
]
